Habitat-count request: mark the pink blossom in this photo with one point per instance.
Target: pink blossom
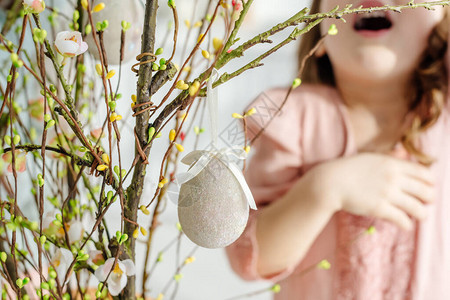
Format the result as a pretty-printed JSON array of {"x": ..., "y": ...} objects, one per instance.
[
  {"x": 34, "y": 6},
  {"x": 20, "y": 160},
  {"x": 70, "y": 44}
]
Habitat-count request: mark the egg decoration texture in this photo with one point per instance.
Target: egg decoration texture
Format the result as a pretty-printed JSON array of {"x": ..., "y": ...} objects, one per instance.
[{"x": 213, "y": 208}]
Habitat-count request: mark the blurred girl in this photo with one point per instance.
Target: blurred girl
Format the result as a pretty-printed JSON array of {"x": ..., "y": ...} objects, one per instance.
[{"x": 351, "y": 178}]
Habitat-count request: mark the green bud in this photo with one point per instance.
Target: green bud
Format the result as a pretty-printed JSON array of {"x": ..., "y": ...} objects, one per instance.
[
  {"x": 155, "y": 67},
  {"x": 371, "y": 230},
  {"x": 16, "y": 139},
  {"x": 3, "y": 256},
  {"x": 162, "y": 61},
  {"x": 33, "y": 226},
  {"x": 296, "y": 83},
  {"x": 109, "y": 196},
  {"x": 42, "y": 239},
  {"x": 14, "y": 57},
  {"x": 178, "y": 277},
  {"x": 112, "y": 105},
  {"x": 76, "y": 15},
  {"x": 171, "y": 3},
  {"x": 44, "y": 286},
  {"x": 52, "y": 282},
  {"x": 125, "y": 25},
  {"x": 160, "y": 257},
  {"x": 50, "y": 124},
  {"x": 324, "y": 264},
  {"x": 151, "y": 133},
  {"x": 58, "y": 217},
  {"x": 9, "y": 78},
  {"x": 123, "y": 238},
  {"x": 163, "y": 67},
  {"x": 116, "y": 170},
  {"x": 276, "y": 288},
  {"x": 52, "y": 274},
  {"x": 159, "y": 51},
  {"x": 99, "y": 26},
  {"x": 47, "y": 117},
  {"x": 19, "y": 282},
  {"x": 7, "y": 140},
  {"x": 88, "y": 29},
  {"x": 332, "y": 30}
]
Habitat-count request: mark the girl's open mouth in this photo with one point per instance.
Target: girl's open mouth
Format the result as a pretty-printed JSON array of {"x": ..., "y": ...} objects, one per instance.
[{"x": 373, "y": 23}]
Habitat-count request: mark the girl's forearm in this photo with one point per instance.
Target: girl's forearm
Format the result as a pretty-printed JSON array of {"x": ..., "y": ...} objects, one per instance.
[{"x": 286, "y": 229}]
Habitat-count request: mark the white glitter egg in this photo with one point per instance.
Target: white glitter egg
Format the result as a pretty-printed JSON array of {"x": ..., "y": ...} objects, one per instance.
[
  {"x": 115, "y": 11},
  {"x": 212, "y": 208}
]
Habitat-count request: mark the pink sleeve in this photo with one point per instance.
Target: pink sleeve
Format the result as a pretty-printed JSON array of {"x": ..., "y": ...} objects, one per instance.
[{"x": 272, "y": 169}]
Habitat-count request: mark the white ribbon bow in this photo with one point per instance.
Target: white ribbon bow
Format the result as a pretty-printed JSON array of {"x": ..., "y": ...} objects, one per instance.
[{"x": 199, "y": 159}]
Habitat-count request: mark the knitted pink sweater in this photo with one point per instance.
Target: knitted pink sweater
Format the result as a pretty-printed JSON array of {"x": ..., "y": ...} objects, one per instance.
[{"x": 387, "y": 264}]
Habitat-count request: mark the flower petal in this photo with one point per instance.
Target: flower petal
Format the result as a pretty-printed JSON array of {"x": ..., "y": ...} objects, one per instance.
[
  {"x": 48, "y": 219},
  {"x": 62, "y": 35},
  {"x": 83, "y": 48},
  {"x": 66, "y": 47},
  {"x": 114, "y": 287},
  {"x": 76, "y": 231},
  {"x": 117, "y": 283},
  {"x": 130, "y": 270},
  {"x": 104, "y": 269},
  {"x": 67, "y": 255}
]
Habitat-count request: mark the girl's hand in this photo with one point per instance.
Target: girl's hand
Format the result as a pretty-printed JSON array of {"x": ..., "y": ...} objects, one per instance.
[{"x": 377, "y": 185}]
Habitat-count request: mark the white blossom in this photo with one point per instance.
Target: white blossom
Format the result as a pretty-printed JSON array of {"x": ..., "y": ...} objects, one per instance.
[
  {"x": 74, "y": 228},
  {"x": 70, "y": 44},
  {"x": 34, "y": 6},
  {"x": 117, "y": 280},
  {"x": 61, "y": 261},
  {"x": 95, "y": 257}
]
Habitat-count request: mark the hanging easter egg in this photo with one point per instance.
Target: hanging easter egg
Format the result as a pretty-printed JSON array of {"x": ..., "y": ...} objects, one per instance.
[
  {"x": 116, "y": 11},
  {"x": 214, "y": 198},
  {"x": 213, "y": 207}
]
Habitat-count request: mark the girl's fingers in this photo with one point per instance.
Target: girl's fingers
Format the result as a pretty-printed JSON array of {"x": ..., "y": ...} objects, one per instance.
[
  {"x": 395, "y": 215},
  {"x": 418, "y": 171},
  {"x": 418, "y": 189},
  {"x": 410, "y": 205}
]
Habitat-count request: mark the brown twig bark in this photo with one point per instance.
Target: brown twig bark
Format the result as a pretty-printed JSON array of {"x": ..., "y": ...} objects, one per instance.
[{"x": 134, "y": 191}]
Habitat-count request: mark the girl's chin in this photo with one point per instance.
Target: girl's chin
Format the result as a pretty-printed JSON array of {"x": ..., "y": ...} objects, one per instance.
[{"x": 376, "y": 63}]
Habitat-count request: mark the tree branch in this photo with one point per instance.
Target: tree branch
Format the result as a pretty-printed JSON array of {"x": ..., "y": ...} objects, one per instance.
[{"x": 134, "y": 191}]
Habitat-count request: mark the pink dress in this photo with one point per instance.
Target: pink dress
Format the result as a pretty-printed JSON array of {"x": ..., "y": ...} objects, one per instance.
[{"x": 390, "y": 263}]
